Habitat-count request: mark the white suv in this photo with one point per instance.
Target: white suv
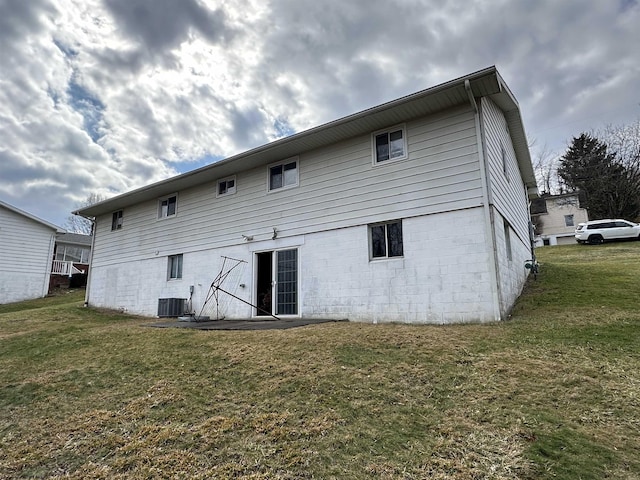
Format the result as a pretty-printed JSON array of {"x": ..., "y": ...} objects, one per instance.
[{"x": 600, "y": 231}]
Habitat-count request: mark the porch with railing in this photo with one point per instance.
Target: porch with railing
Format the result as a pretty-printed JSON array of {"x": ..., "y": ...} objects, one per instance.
[{"x": 61, "y": 267}]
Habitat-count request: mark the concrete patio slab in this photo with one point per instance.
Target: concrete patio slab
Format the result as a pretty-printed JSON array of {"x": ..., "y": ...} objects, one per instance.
[{"x": 270, "y": 324}]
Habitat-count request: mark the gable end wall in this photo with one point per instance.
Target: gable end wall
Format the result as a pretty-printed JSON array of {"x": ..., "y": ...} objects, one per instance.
[
  {"x": 508, "y": 202},
  {"x": 25, "y": 257}
]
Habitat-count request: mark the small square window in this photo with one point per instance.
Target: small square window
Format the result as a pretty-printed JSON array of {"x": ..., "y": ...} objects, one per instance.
[
  {"x": 283, "y": 175},
  {"x": 390, "y": 145},
  {"x": 568, "y": 221},
  {"x": 174, "y": 267},
  {"x": 116, "y": 220},
  {"x": 226, "y": 186},
  {"x": 167, "y": 206},
  {"x": 385, "y": 240}
]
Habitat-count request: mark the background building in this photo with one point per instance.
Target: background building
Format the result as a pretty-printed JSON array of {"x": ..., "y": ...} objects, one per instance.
[{"x": 555, "y": 218}]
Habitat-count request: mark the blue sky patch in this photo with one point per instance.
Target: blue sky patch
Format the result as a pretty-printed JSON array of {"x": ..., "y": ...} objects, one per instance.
[
  {"x": 187, "y": 166},
  {"x": 283, "y": 129},
  {"x": 88, "y": 105}
]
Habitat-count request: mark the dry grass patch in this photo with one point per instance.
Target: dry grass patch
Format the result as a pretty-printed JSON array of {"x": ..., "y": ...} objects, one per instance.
[{"x": 552, "y": 393}]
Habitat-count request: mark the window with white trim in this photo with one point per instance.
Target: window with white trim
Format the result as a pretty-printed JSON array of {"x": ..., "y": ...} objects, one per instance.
[
  {"x": 226, "y": 186},
  {"x": 168, "y": 206},
  {"x": 283, "y": 175},
  {"x": 390, "y": 145},
  {"x": 174, "y": 267},
  {"x": 116, "y": 220},
  {"x": 385, "y": 240}
]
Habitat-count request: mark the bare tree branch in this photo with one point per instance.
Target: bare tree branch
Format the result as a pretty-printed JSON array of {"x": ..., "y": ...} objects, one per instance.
[
  {"x": 545, "y": 166},
  {"x": 78, "y": 224}
]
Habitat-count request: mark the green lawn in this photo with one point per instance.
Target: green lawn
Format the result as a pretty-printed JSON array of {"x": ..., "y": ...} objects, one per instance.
[{"x": 554, "y": 392}]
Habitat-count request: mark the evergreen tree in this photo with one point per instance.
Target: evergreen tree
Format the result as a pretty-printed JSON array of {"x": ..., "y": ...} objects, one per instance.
[{"x": 607, "y": 185}]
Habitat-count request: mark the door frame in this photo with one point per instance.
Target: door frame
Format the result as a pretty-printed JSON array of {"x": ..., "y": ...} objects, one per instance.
[{"x": 256, "y": 279}]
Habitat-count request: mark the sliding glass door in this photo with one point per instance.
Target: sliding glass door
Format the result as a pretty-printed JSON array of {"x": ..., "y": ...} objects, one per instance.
[{"x": 277, "y": 282}]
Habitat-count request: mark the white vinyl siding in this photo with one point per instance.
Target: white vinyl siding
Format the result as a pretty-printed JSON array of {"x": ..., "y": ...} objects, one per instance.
[
  {"x": 25, "y": 257},
  {"x": 339, "y": 187},
  {"x": 507, "y": 189},
  {"x": 509, "y": 203}
]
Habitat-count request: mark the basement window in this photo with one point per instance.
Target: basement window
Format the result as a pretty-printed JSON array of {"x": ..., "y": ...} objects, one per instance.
[
  {"x": 174, "y": 267},
  {"x": 507, "y": 239},
  {"x": 385, "y": 240}
]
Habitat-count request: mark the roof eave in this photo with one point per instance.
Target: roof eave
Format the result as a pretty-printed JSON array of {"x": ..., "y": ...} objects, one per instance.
[
  {"x": 486, "y": 82},
  {"x": 509, "y": 105},
  {"x": 31, "y": 217}
]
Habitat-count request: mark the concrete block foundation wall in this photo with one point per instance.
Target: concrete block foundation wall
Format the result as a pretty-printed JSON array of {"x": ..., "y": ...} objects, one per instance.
[{"x": 443, "y": 277}]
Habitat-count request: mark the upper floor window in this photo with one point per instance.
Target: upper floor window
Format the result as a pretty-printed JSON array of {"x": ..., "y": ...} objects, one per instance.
[
  {"x": 116, "y": 220},
  {"x": 174, "y": 267},
  {"x": 390, "y": 144},
  {"x": 505, "y": 170},
  {"x": 283, "y": 175},
  {"x": 167, "y": 206},
  {"x": 226, "y": 186},
  {"x": 385, "y": 240}
]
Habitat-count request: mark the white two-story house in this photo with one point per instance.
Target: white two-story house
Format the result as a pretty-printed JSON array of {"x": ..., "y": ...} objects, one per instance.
[{"x": 412, "y": 211}]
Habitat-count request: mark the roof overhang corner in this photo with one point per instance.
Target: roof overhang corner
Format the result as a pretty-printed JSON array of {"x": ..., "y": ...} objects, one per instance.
[{"x": 532, "y": 192}]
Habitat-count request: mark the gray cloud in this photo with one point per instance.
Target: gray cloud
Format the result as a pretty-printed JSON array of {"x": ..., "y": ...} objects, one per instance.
[
  {"x": 159, "y": 26},
  {"x": 102, "y": 96},
  {"x": 19, "y": 19}
]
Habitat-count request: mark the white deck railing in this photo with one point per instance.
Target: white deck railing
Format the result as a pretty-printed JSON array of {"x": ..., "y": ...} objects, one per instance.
[{"x": 64, "y": 268}]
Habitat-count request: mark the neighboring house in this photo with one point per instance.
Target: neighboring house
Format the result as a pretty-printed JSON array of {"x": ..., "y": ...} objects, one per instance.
[
  {"x": 26, "y": 253},
  {"x": 556, "y": 217},
  {"x": 71, "y": 260},
  {"x": 412, "y": 211}
]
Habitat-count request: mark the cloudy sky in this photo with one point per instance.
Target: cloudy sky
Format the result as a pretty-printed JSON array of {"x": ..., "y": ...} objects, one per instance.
[{"x": 103, "y": 96}]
